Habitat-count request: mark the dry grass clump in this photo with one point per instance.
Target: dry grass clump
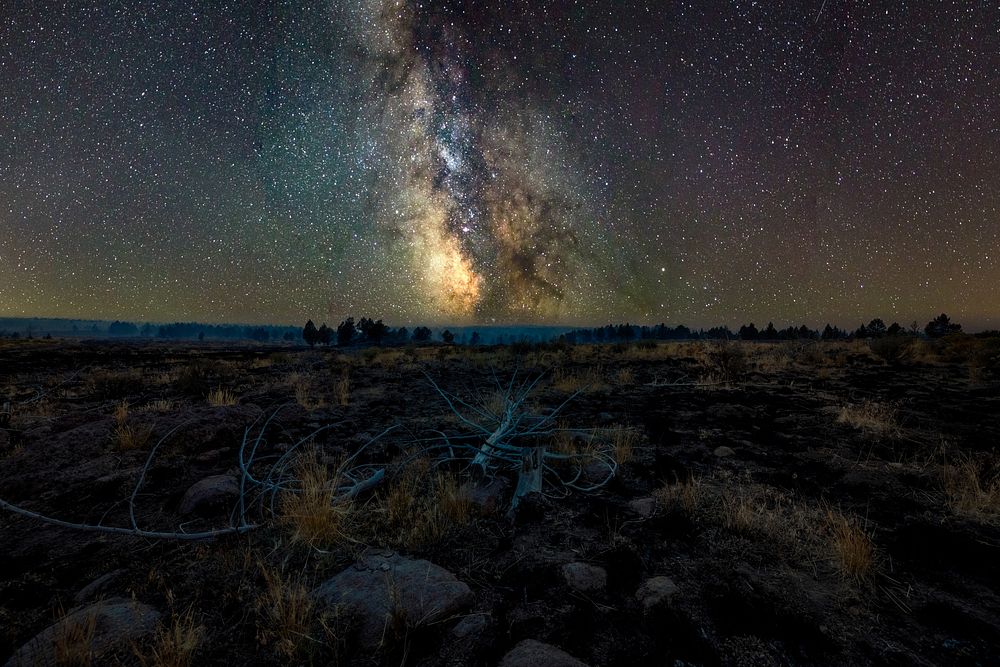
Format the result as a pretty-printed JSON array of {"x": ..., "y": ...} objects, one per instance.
[
  {"x": 342, "y": 388},
  {"x": 590, "y": 378},
  {"x": 121, "y": 412},
  {"x": 285, "y": 613},
  {"x": 872, "y": 418},
  {"x": 970, "y": 488},
  {"x": 311, "y": 510},
  {"x": 625, "y": 377},
  {"x": 420, "y": 508},
  {"x": 115, "y": 384},
  {"x": 74, "y": 644},
  {"x": 723, "y": 362},
  {"x": 221, "y": 397},
  {"x": 772, "y": 358},
  {"x": 852, "y": 545},
  {"x": 305, "y": 394},
  {"x": 161, "y": 405},
  {"x": 127, "y": 437},
  {"x": 684, "y": 495},
  {"x": 892, "y": 349},
  {"x": 623, "y": 443},
  {"x": 175, "y": 645}
]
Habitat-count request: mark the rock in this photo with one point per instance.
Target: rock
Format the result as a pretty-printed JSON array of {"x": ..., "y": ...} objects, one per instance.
[
  {"x": 584, "y": 577},
  {"x": 489, "y": 497},
  {"x": 210, "y": 493},
  {"x": 383, "y": 589},
  {"x": 117, "y": 624},
  {"x": 96, "y": 587},
  {"x": 655, "y": 591},
  {"x": 644, "y": 507},
  {"x": 723, "y": 451},
  {"x": 532, "y": 653},
  {"x": 471, "y": 626}
]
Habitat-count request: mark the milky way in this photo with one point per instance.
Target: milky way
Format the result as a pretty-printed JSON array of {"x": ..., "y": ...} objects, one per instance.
[
  {"x": 566, "y": 161},
  {"x": 474, "y": 181}
]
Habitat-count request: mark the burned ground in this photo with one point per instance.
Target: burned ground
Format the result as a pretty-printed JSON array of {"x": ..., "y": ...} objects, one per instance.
[{"x": 775, "y": 504}]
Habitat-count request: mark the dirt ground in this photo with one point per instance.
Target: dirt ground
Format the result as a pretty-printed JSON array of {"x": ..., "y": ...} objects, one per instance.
[{"x": 809, "y": 503}]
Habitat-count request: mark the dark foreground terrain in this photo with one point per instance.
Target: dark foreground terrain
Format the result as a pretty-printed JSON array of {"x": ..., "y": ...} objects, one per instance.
[{"x": 820, "y": 503}]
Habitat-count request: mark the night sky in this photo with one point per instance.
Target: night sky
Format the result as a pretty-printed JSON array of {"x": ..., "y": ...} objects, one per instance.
[{"x": 501, "y": 161}]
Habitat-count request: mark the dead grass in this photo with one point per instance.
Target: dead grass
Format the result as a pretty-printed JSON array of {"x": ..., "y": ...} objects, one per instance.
[
  {"x": 285, "y": 614},
  {"x": 127, "y": 437},
  {"x": 970, "y": 489},
  {"x": 871, "y": 418},
  {"x": 623, "y": 443},
  {"x": 307, "y": 397},
  {"x": 121, "y": 412},
  {"x": 685, "y": 495},
  {"x": 590, "y": 378},
  {"x": 420, "y": 507},
  {"x": 176, "y": 644},
  {"x": 221, "y": 397},
  {"x": 625, "y": 377},
  {"x": 73, "y": 645},
  {"x": 853, "y": 547},
  {"x": 310, "y": 511},
  {"x": 342, "y": 389},
  {"x": 160, "y": 405}
]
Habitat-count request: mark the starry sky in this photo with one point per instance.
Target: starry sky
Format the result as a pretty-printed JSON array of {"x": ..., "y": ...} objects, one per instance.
[{"x": 501, "y": 161}]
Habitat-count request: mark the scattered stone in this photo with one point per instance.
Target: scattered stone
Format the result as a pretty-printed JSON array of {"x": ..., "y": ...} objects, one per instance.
[
  {"x": 723, "y": 451},
  {"x": 471, "y": 626},
  {"x": 532, "y": 653},
  {"x": 96, "y": 587},
  {"x": 644, "y": 507},
  {"x": 117, "y": 624},
  {"x": 210, "y": 493},
  {"x": 584, "y": 577},
  {"x": 384, "y": 589},
  {"x": 655, "y": 591}
]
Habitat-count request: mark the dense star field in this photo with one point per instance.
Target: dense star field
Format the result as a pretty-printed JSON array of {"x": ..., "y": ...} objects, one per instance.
[{"x": 501, "y": 161}]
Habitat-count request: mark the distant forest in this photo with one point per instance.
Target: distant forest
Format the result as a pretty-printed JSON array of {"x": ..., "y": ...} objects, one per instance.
[{"x": 367, "y": 331}]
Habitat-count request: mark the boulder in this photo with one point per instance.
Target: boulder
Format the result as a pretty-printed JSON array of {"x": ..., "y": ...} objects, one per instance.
[
  {"x": 644, "y": 507},
  {"x": 584, "y": 577},
  {"x": 211, "y": 493},
  {"x": 532, "y": 653},
  {"x": 723, "y": 451},
  {"x": 99, "y": 630},
  {"x": 386, "y": 589},
  {"x": 97, "y": 587},
  {"x": 655, "y": 591}
]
